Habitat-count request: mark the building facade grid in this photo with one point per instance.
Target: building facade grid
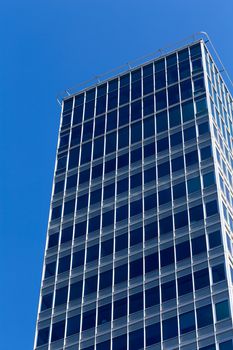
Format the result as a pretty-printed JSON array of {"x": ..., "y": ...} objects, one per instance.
[{"x": 139, "y": 246}]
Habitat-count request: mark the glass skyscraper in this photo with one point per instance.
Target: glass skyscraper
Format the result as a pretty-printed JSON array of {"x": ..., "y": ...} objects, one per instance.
[{"x": 139, "y": 251}]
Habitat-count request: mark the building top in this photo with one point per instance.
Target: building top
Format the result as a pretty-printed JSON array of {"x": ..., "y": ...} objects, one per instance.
[{"x": 141, "y": 62}]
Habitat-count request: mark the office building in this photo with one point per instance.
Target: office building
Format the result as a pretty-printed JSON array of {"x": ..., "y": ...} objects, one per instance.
[{"x": 139, "y": 251}]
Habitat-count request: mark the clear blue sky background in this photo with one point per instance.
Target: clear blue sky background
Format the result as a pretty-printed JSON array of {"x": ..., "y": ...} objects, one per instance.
[{"x": 47, "y": 46}]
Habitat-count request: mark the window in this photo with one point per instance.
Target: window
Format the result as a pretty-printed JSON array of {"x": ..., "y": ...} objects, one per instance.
[
  {"x": 149, "y": 149},
  {"x": 111, "y": 142},
  {"x": 120, "y": 308},
  {"x": 106, "y": 247},
  {"x": 148, "y": 84},
  {"x": 206, "y": 152},
  {"x": 86, "y": 152},
  {"x": 90, "y": 285},
  {"x": 208, "y": 179},
  {"x": 95, "y": 196},
  {"x": 136, "y": 236},
  {"x": 151, "y": 231},
  {"x": 165, "y": 225},
  {"x": 204, "y": 316},
  {"x": 199, "y": 245},
  {"x": 76, "y": 290},
  {"x": 53, "y": 240},
  {"x": 184, "y": 68},
  {"x": 43, "y": 336},
  {"x": 178, "y": 164},
  {"x": 211, "y": 208},
  {"x": 201, "y": 279},
  {"x": 80, "y": 229},
  {"x": 124, "y": 115},
  {"x": 163, "y": 169},
  {"x": 99, "y": 126},
  {"x": 78, "y": 259},
  {"x": 136, "y": 339},
  {"x": 121, "y": 274},
  {"x": 185, "y": 285},
  {"x": 136, "y": 207},
  {"x": 170, "y": 328},
  {"x": 215, "y": 239},
  {"x": 108, "y": 218},
  {"x": 153, "y": 335},
  {"x": 47, "y": 301},
  {"x": 167, "y": 256},
  {"x": 196, "y": 213},
  {"x": 105, "y": 279},
  {"x": 136, "y": 132},
  {"x": 161, "y": 122},
  {"x": 187, "y": 322},
  {"x": 176, "y": 139},
  {"x": 88, "y": 319},
  {"x": 227, "y": 345},
  {"x": 168, "y": 290},
  {"x": 136, "y": 110},
  {"x": 173, "y": 94},
  {"x": 218, "y": 273},
  {"x": 150, "y": 175},
  {"x": 148, "y": 105},
  {"x": 222, "y": 310},
  {"x": 174, "y": 116},
  {"x": 181, "y": 219},
  {"x": 162, "y": 145},
  {"x": 136, "y": 268},
  {"x": 64, "y": 264},
  {"x": 59, "y": 187},
  {"x": 109, "y": 191},
  {"x": 73, "y": 158},
  {"x": 111, "y": 119},
  {"x": 94, "y": 224},
  {"x": 104, "y": 314},
  {"x": 149, "y": 127},
  {"x": 152, "y": 296},
  {"x": 151, "y": 262},
  {"x": 187, "y": 111},
  {"x": 160, "y": 80},
  {"x": 92, "y": 253},
  {"x": 194, "y": 185},
  {"x": 182, "y": 251},
  {"x": 84, "y": 176},
  {"x": 186, "y": 89},
  {"x": 61, "y": 296},
  {"x": 121, "y": 242},
  {"x": 56, "y": 212},
  {"x": 58, "y": 330},
  {"x": 136, "y": 180},
  {"x": 71, "y": 181},
  {"x": 179, "y": 190},
  {"x": 191, "y": 158},
  {"x": 73, "y": 324},
  {"x": 112, "y": 99},
  {"x": 123, "y": 138},
  {"x": 135, "y": 302},
  {"x": 189, "y": 134},
  {"x": 164, "y": 196},
  {"x": 136, "y": 89},
  {"x": 120, "y": 343},
  {"x": 104, "y": 345},
  {"x": 122, "y": 186},
  {"x": 50, "y": 269}
]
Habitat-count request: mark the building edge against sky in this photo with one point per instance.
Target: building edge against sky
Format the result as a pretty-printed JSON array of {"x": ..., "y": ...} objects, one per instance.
[{"x": 151, "y": 269}]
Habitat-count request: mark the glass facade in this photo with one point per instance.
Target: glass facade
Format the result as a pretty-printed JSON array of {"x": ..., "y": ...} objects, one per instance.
[{"x": 139, "y": 251}]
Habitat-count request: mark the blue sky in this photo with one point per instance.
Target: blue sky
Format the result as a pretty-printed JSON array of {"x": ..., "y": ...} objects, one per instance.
[{"x": 46, "y": 47}]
